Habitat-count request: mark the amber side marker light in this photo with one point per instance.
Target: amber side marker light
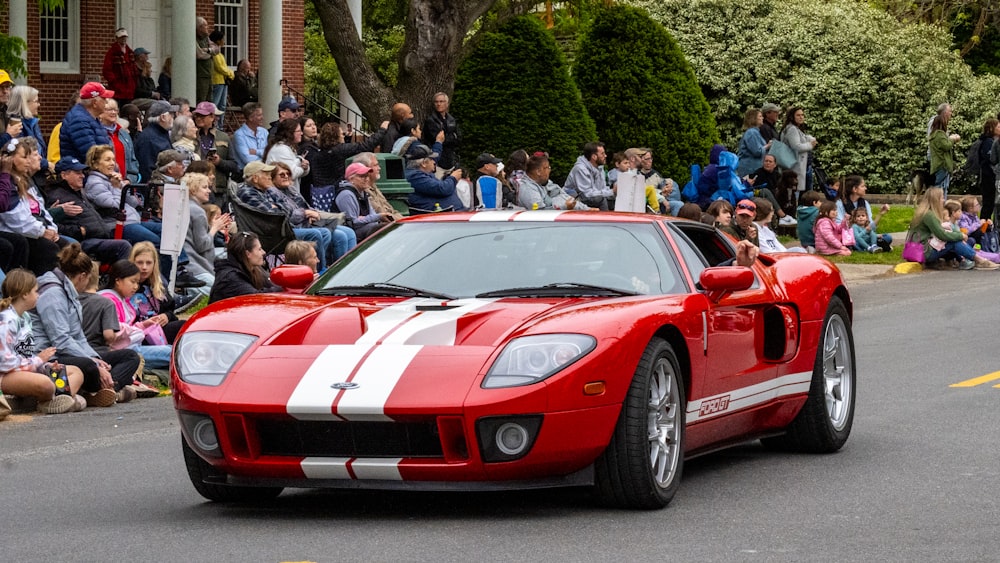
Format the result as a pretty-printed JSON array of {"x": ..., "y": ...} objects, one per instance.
[{"x": 594, "y": 388}]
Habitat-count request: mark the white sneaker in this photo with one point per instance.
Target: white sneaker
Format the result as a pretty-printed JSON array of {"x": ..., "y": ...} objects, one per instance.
[{"x": 787, "y": 220}]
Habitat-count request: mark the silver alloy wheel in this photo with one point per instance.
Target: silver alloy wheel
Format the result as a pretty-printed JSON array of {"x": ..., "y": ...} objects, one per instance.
[
  {"x": 662, "y": 423},
  {"x": 838, "y": 372}
]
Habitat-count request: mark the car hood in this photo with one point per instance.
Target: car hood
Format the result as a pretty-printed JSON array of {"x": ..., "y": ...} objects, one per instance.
[{"x": 374, "y": 359}]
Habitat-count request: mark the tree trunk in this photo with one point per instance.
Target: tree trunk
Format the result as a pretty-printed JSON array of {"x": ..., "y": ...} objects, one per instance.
[{"x": 435, "y": 32}]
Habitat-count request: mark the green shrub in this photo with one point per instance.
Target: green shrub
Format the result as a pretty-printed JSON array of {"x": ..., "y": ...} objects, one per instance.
[
  {"x": 514, "y": 92},
  {"x": 869, "y": 84},
  {"x": 641, "y": 91}
]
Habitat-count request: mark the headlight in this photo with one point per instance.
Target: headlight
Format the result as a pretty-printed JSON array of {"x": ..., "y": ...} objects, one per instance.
[
  {"x": 530, "y": 359},
  {"x": 204, "y": 358}
]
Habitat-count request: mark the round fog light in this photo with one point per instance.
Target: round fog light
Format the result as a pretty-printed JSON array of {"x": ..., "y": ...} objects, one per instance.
[
  {"x": 204, "y": 435},
  {"x": 511, "y": 438}
]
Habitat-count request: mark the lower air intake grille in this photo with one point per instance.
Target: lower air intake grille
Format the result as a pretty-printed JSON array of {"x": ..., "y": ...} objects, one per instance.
[{"x": 348, "y": 439}]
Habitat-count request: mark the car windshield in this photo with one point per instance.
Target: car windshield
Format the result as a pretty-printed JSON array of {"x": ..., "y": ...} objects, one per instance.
[{"x": 506, "y": 259}]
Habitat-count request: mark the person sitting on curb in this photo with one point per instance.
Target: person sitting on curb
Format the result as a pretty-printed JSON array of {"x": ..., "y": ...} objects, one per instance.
[{"x": 939, "y": 243}]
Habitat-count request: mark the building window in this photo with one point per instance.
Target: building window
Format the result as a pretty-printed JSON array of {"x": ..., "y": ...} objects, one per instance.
[
  {"x": 59, "y": 38},
  {"x": 230, "y": 18}
]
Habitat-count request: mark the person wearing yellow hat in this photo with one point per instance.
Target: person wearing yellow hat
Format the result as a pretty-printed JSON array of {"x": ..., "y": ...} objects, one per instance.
[{"x": 9, "y": 129}]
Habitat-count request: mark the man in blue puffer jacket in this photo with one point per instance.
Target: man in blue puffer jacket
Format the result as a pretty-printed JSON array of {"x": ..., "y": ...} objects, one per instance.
[
  {"x": 429, "y": 193},
  {"x": 80, "y": 128}
]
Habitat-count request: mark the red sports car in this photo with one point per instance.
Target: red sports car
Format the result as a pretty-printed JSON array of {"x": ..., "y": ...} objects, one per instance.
[{"x": 476, "y": 351}]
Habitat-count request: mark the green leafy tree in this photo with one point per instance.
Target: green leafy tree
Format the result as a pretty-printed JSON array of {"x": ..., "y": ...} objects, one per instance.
[
  {"x": 868, "y": 82},
  {"x": 641, "y": 91},
  {"x": 514, "y": 92}
]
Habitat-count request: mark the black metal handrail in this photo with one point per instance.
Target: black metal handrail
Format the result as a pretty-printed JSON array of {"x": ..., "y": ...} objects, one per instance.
[{"x": 326, "y": 107}]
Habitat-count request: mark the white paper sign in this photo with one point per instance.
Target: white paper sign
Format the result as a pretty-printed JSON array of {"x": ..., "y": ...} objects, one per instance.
[
  {"x": 176, "y": 217},
  {"x": 631, "y": 192}
]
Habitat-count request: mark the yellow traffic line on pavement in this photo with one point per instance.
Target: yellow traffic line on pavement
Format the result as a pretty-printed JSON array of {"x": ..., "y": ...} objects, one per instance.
[{"x": 978, "y": 380}]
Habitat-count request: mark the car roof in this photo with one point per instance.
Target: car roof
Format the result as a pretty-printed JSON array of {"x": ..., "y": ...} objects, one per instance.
[{"x": 538, "y": 216}]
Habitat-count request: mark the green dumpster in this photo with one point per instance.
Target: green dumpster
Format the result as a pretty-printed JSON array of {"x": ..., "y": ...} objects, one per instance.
[{"x": 393, "y": 182}]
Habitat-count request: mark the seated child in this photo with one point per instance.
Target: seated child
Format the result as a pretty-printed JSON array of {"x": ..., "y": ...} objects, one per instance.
[
  {"x": 955, "y": 212},
  {"x": 970, "y": 223},
  {"x": 807, "y": 213},
  {"x": 21, "y": 373},
  {"x": 865, "y": 239},
  {"x": 828, "y": 233}
]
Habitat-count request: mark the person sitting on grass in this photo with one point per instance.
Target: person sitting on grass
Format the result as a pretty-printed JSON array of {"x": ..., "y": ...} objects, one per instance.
[
  {"x": 865, "y": 237},
  {"x": 23, "y": 374},
  {"x": 829, "y": 233},
  {"x": 970, "y": 221},
  {"x": 939, "y": 243},
  {"x": 953, "y": 209},
  {"x": 122, "y": 284},
  {"x": 807, "y": 213},
  {"x": 57, "y": 320},
  {"x": 152, "y": 301}
]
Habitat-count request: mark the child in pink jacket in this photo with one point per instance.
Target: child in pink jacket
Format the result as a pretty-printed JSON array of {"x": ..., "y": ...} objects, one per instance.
[{"x": 829, "y": 233}]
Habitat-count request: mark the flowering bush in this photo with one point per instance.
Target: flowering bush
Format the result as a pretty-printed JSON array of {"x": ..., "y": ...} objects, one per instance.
[
  {"x": 868, "y": 83},
  {"x": 641, "y": 92}
]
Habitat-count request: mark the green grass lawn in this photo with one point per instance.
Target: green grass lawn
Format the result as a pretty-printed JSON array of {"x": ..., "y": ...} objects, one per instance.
[{"x": 897, "y": 220}]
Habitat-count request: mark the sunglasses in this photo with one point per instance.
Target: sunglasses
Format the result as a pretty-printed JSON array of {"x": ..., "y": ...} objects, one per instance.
[
  {"x": 747, "y": 206},
  {"x": 283, "y": 175}
]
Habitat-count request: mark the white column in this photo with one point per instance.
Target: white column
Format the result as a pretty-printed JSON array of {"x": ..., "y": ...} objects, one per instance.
[
  {"x": 182, "y": 37},
  {"x": 18, "y": 27},
  {"x": 269, "y": 75},
  {"x": 346, "y": 100}
]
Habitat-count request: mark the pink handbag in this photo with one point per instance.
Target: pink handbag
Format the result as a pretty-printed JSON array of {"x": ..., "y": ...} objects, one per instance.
[{"x": 154, "y": 335}]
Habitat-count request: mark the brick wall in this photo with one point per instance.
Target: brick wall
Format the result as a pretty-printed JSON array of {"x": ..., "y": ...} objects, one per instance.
[{"x": 97, "y": 29}]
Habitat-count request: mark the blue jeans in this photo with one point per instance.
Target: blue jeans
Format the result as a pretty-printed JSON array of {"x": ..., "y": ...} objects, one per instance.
[
  {"x": 219, "y": 94},
  {"x": 321, "y": 236},
  {"x": 942, "y": 179},
  {"x": 344, "y": 239},
  {"x": 108, "y": 251},
  {"x": 155, "y": 356},
  {"x": 956, "y": 248}
]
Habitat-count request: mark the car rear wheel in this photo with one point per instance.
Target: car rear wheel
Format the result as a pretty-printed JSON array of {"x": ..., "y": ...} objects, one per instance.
[
  {"x": 825, "y": 421},
  {"x": 198, "y": 469},
  {"x": 641, "y": 468}
]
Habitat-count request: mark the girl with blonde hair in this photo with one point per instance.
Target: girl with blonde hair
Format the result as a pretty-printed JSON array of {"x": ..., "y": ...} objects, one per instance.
[
  {"x": 23, "y": 374},
  {"x": 151, "y": 299},
  {"x": 939, "y": 242}
]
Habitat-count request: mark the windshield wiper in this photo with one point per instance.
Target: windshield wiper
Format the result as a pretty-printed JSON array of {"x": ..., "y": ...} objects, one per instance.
[
  {"x": 558, "y": 290},
  {"x": 382, "y": 288}
]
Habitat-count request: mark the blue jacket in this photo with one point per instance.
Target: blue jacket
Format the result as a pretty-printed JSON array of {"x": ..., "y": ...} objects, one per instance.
[
  {"x": 708, "y": 183},
  {"x": 79, "y": 132},
  {"x": 30, "y": 128},
  {"x": 428, "y": 190},
  {"x": 751, "y": 152},
  {"x": 153, "y": 140}
]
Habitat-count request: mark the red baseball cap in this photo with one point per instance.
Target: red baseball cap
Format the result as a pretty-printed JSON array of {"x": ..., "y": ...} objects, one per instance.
[{"x": 93, "y": 90}]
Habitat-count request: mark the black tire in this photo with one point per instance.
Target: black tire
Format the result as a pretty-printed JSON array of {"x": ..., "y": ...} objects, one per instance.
[
  {"x": 824, "y": 423},
  {"x": 198, "y": 469},
  {"x": 624, "y": 474}
]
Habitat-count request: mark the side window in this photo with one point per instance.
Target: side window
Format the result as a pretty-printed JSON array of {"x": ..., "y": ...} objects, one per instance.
[{"x": 703, "y": 248}]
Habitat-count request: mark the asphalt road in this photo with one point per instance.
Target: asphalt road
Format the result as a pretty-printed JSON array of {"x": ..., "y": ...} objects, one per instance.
[{"x": 917, "y": 481}]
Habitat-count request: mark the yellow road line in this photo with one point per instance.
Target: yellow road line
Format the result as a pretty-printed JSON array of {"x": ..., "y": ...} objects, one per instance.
[{"x": 978, "y": 380}]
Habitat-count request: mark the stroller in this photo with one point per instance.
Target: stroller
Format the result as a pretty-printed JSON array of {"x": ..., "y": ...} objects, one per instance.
[{"x": 821, "y": 182}]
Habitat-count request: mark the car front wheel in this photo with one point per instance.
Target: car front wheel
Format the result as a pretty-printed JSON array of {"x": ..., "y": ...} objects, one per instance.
[
  {"x": 198, "y": 469},
  {"x": 641, "y": 468}
]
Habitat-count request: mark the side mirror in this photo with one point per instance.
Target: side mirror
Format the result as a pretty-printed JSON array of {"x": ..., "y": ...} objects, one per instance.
[
  {"x": 718, "y": 282},
  {"x": 293, "y": 276}
]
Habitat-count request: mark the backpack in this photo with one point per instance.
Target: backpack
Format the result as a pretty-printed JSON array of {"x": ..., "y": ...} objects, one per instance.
[{"x": 972, "y": 163}]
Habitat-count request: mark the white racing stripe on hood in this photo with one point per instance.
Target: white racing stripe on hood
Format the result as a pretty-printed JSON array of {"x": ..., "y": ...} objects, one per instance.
[
  {"x": 364, "y": 468},
  {"x": 313, "y": 397},
  {"x": 377, "y": 360},
  {"x": 754, "y": 395},
  {"x": 499, "y": 215},
  {"x": 376, "y": 378}
]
